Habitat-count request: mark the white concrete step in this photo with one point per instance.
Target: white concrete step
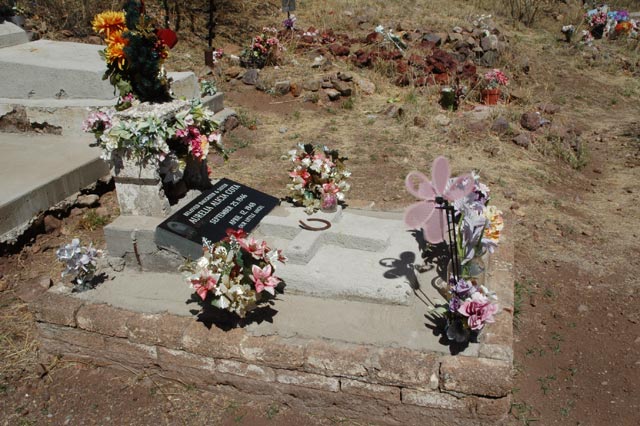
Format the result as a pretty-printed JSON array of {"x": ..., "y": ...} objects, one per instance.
[
  {"x": 46, "y": 69},
  {"x": 39, "y": 171},
  {"x": 11, "y": 34}
]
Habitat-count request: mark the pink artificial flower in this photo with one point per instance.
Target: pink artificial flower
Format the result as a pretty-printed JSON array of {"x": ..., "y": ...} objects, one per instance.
[
  {"x": 253, "y": 247},
  {"x": 263, "y": 279},
  {"x": 204, "y": 284},
  {"x": 302, "y": 174},
  {"x": 479, "y": 310},
  {"x": 330, "y": 188}
]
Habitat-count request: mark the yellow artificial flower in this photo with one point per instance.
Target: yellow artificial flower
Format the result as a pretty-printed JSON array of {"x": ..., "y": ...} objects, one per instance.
[
  {"x": 108, "y": 22},
  {"x": 496, "y": 223},
  {"x": 115, "y": 49}
]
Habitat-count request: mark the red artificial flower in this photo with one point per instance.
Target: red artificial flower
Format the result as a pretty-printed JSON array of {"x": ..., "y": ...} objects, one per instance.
[{"x": 168, "y": 37}]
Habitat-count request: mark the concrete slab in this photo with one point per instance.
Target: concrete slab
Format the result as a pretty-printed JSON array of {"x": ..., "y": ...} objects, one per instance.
[
  {"x": 301, "y": 316},
  {"x": 47, "y": 69},
  {"x": 39, "y": 171},
  {"x": 11, "y": 35}
]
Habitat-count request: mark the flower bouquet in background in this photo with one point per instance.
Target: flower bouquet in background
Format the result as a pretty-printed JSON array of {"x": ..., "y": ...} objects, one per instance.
[
  {"x": 187, "y": 136},
  {"x": 491, "y": 86},
  {"x": 80, "y": 263},
  {"x": 290, "y": 23},
  {"x": 318, "y": 178},
  {"x": 458, "y": 208},
  {"x": 596, "y": 20},
  {"x": 135, "y": 52},
  {"x": 235, "y": 273},
  {"x": 264, "y": 50}
]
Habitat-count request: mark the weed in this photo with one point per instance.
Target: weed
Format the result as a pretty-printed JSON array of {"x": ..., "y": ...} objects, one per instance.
[
  {"x": 556, "y": 203},
  {"x": 296, "y": 115},
  {"x": 548, "y": 293},
  {"x": 557, "y": 337},
  {"x": 523, "y": 412},
  {"x": 348, "y": 104},
  {"x": 556, "y": 348},
  {"x": 92, "y": 220},
  {"x": 247, "y": 120},
  {"x": 545, "y": 381},
  {"x": 272, "y": 411}
]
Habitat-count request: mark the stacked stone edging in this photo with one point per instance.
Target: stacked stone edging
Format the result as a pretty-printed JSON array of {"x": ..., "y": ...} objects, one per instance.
[{"x": 384, "y": 385}]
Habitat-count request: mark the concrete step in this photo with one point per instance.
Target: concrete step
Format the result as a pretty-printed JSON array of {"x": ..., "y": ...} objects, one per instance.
[
  {"x": 11, "y": 35},
  {"x": 46, "y": 69},
  {"x": 39, "y": 171}
]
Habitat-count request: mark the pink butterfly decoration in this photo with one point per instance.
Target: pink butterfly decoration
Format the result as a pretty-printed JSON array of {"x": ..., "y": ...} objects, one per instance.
[{"x": 424, "y": 213}]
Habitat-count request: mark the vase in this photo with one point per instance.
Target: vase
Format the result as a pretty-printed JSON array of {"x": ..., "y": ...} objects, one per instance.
[
  {"x": 328, "y": 202},
  {"x": 448, "y": 98},
  {"x": 474, "y": 270},
  {"x": 598, "y": 31},
  {"x": 490, "y": 96}
]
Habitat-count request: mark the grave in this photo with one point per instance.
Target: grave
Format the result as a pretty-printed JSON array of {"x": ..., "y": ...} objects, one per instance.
[{"x": 351, "y": 335}]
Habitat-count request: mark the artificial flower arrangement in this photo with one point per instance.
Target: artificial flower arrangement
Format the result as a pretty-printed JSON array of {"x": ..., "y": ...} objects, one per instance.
[
  {"x": 494, "y": 79},
  {"x": 290, "y": 23},
  {"x": 316, "y": 171},
  {"x": 470, "y": 304},
  {"x": 170, "y": 141},
  {"x": 135, "y": 52},
  {"x": 80, "y": 262},
  {"x": 235, "y": 273},
  {"x": 263, "y": 51}
]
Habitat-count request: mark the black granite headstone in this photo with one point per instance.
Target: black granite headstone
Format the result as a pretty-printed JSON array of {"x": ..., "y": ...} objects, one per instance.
[{"x": 227, "y": 205}]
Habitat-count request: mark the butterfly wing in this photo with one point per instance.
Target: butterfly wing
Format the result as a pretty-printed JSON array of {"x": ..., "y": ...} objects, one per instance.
[{"x": 440, "y": 174}]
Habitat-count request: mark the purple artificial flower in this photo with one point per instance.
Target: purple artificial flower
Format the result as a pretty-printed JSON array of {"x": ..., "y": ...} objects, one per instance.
[
  {"x": 454, "y": 304},
  {"x": 464, "y": 288}
]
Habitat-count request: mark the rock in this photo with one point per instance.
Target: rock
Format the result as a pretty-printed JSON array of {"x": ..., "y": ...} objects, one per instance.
[
  {"x": 333, "y": 94},
  {"x": 480, "y": 113},
  {"x": 523, "y": 140},
  {"x": 342, "y": 87},
  {"x": 233, "y": 72},
  {"x": 454, "y": 37},
  {"x": 327, "y": 84},
  {"x": 102, "y": 211},
  {"x": 45, "y": 282},
  {"x": 366, "y": 85},
  {"x": 343, "y": 76},
  {"x": 432, "y": 38},
  {"x": 318, "y": 62},
  {"x": 88, "y": 200},
  {"x": 339, "y": 50},
  {"x": 394, "y": 111},
  {"x": 234, "y": 60},
  {"x": 442, "y": 120},
  {"x": 530, "y": 121},
  {"x": 548, "y": 108},
  {"x": 296, "y": 89},
  {"x": 583, "y": 308},
  {"x": 283, "y": 130},
  {"x": 282, "y": 87},
  {"x": 489, "y": 42},
  {"x": 471, "y": 42},
  {"x": 250, "y": 77},
  {"x": 231, "y": 123},
  {"x": 476, "y": 126},
  {"x": 457, "y": 30},
  {"x": 500, "y": 125},
  {"x": 420, "y": 121},
  {"x": 312, "y": 85},
  {"x": 51, "y": 224},
  {"x": 76, "y": 212},
  {"x": 489, "y": 58}
]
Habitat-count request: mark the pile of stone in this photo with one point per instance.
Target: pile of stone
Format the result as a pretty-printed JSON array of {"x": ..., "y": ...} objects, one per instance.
[{"x": 481, "y": 43}]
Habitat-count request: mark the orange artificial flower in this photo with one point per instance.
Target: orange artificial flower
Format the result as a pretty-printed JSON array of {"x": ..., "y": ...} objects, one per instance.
[
  {"x": 108, "y": 22},
  {"x": 115, "y": 49}
]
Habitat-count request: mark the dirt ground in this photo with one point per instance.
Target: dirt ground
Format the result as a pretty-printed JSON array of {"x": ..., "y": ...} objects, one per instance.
[{"x": 574, "y": 213}]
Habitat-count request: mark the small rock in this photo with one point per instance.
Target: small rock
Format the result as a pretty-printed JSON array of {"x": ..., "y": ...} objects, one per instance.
[
  {"x": 583, "y": 308},
  {"x": 231, "y": 123},
  {"x": 476, "y": 126},
  {"x": 343, "y": 76},
  {"x": 489, "y": 42},
  {"x": 489, "y": 58},
  {"x": 530, "y": 121},
  {"x": 326, "y": 84},
  {"x": 454, "y": 37},
  {"x": 548, "y": 108},
  {"x": 312, "y": 85},
  {"x": 319, "y": 61},
  {"x": 432, "y": 38},
  {"x": 514, "y": 206},
  {"x": 282, "y": 87},
  {"x": 333, "y": 94},
  {"x": 51, "y": 224},
  {"x": 88, "y": 200},
  {"x": 366, "y": 86},
  {"x": 420, "y": 121},
  {"x": 250, "y": 77},
  {"x": 283, "y": 130},
  {"x": 457, "y": 29},
  {"x": 342, "y": 87},
  {"x": 597, "y": 170},
  {"x": 433, "y": 382},
  {"x": 102, "y": 211},
  {"x": 394, "y": 111},
  {"x": 339, "y": 50},
  {"x": 3, "y": 285},
  {"x": 234, "y": 60},
  {"x": 442, "y": 120},
  {"x": 500, "y": 125},
  {"x": 523, "y": 140},
  {"x": 296, "y": 89},
  {"x": 233, "y": 72},
  {"x": 76, "y": 212},
  {"x": 45, "y": 282}
]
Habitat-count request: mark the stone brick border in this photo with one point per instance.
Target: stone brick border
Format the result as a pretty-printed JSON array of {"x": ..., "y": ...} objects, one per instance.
[{"x": 383, "y": 385}]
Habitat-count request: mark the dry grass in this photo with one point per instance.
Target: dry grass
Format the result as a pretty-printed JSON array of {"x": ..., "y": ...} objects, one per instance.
[{"x": 18, "y": 348}]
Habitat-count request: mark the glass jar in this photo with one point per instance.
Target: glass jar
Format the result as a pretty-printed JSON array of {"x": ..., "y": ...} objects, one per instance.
[{"x": 328, "y": 202}]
